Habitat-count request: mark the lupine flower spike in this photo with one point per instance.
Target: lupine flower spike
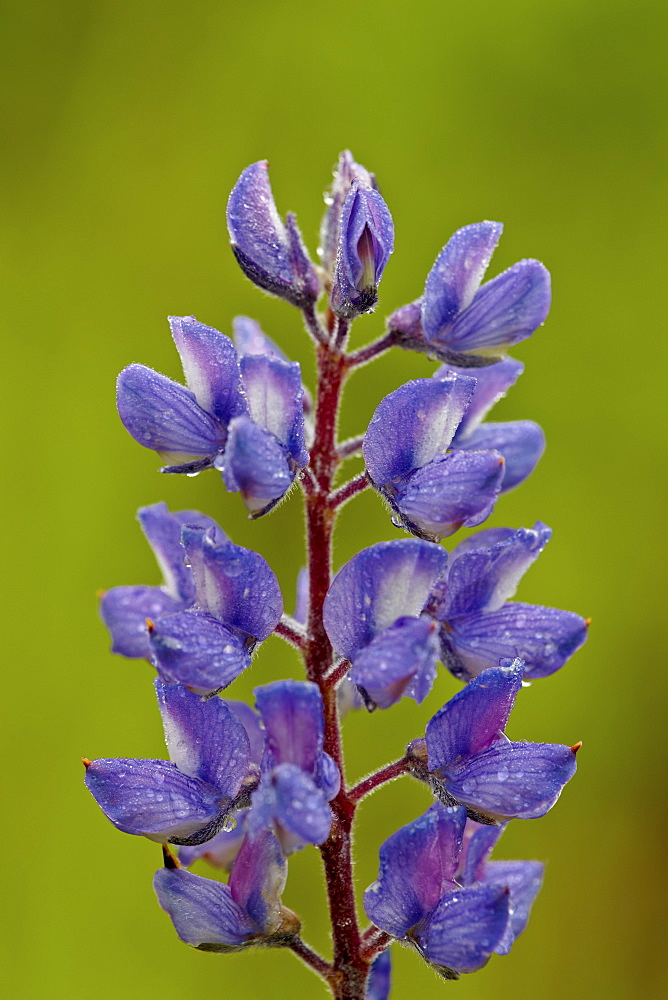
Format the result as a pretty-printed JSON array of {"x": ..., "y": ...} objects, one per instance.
[{"x": 246, "y": 786}]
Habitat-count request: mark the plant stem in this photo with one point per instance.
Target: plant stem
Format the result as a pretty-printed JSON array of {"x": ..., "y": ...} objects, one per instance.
[
  {"x": 374, "y": 941},
  {"x": 351, "y": 969},
  {"x": 314, "y": 326},
  {"x": 349, "y": 489},
  {"x": 291, "y": 631},
  {"x": 310, "y": 957},
  {"x": 350, "y": 447},
  {"x": 372, "y": 350},
  {"x": 374, "y": 781}
]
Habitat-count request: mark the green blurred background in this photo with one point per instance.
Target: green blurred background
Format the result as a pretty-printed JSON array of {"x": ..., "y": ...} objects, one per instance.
[{"x": 126, "y": 124}]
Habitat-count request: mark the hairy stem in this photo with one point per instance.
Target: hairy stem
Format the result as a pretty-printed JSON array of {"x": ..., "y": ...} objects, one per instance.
[
  {"x": 374, "y": 781},
  {"x": 315, "y": 328},
  {"x": 350, "y": 447},
  {"x": 374, "y": 941},
  {"x": 348, "y": 981},
  {"x": 310, "y": 957},
  {"x": 349, "y": 489},
  {"x": 372, "y": 350},
  {"x": 291, "y": 631}
]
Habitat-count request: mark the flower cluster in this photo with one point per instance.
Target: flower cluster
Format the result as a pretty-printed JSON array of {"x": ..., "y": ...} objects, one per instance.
[{"x": 245, "y": 787}]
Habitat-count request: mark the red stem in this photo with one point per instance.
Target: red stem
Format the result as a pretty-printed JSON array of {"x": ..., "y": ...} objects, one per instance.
[
  {"x": 351, "y": 969},
  {"x": 349, "y": 489},
  {"x": 374, "y": 781},
  {"x": 373, "y": 350},
  {"x": 291, "y": 632},
  {"x": 310, "y": 958},
  {"x": 374, "y": 941},
  {"x": 350, "y": 447},
  {"x": 337, "y": 673}
]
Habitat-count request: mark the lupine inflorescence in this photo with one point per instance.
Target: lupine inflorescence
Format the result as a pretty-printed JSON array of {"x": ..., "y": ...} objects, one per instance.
[{"x": 246, "y": 787}]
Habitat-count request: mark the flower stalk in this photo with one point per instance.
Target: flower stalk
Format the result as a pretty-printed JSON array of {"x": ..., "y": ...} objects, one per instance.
[{"x": 245, "y": 787}]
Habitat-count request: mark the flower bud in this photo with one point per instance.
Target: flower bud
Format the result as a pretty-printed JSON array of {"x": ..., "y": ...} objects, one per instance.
[{"x": 268, "y": 251}]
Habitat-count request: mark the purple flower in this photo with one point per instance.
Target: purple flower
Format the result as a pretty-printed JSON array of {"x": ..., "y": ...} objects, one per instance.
[
  {"x": 242, "y": 416},
  {"x": 378, "y": 985},
  {"x": 432, "y": 491},
  {"x": 124, "y": 610},
  {"x": 521, "y": 442},
  {"x": 373, "y": 617},
  {"x": 463, "y": 323},
  {"x": 237, "y": 604},
  {"x": 249, "y": 338},
  {"x": 523, "y": 879},
  {"x": 188, "y": 800},
  {"x": 470, "y": 760},
  {"x": 416, "y": 896},
  {"x": 213, "y": 916},
  {"x": 478, "y": 622},
  {"x": 222, "y": 849},
  {"x": 298, "y": 777},
  {"x": 269, "y": 252},
  {"x": 346, "y": 174},
  {"x": 357, "y": 230}
]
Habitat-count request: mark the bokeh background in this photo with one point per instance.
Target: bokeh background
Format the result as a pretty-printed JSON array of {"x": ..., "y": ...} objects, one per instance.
[{"x": 126, "y": 123}]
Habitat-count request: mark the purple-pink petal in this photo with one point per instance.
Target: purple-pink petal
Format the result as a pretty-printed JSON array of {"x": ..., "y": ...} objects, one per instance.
[
  {"x": 365, "y": 243},
  {"x": 204, "y": 912},
  {"x": 258, "y": 878},
  {"x": 466, "y": 927},
  {"x": 256, "y": 230},
  {"x": 545, "y": 638},
  {"x": 275, "y": 396},
  {"x": 300, "y": 614},
  {"x": 250, "y": 338},
  {"x": 399, "y": 662},
  {"x": 124, "y": 611},
  {"x": 163, "y": 415},
  {"x": 457, "y": 272},
  {"x": 195, "y": 649},
  {"x": 378, "y": 985},
  {"x": 492, "y": 384},
  {"x": 250, "y": 720},
  {"x": 347, "y": 172},
  {"x": 211, "y": 367},
  {"x": 234, "y": 584},
  {"x": 255, "y": 464},
  {"x": 414, "y": 424},
  {"x": 380, "y": 584},
  {"x": 506, "y": 309},
  {"x": 521, "y": 442},
  {"x": 454, "y": 490},
  {"x": 479, "y": 842},
  {"x": 524, "y": 880},
  {"x": 486, "y": 570},
  {"x": 204, "y": 738},
  {"x": 270, "y": 253},
  {"x": 508, "y": 780},
  {"x": 417, "y": 867},
  {"x": 300, "y": 807},
  {"x": 304, "y": 276},
  {"x": 292, "y": 715},
  {"x": 474, "y": 718},
  {"x": 152, "y": 798}
]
